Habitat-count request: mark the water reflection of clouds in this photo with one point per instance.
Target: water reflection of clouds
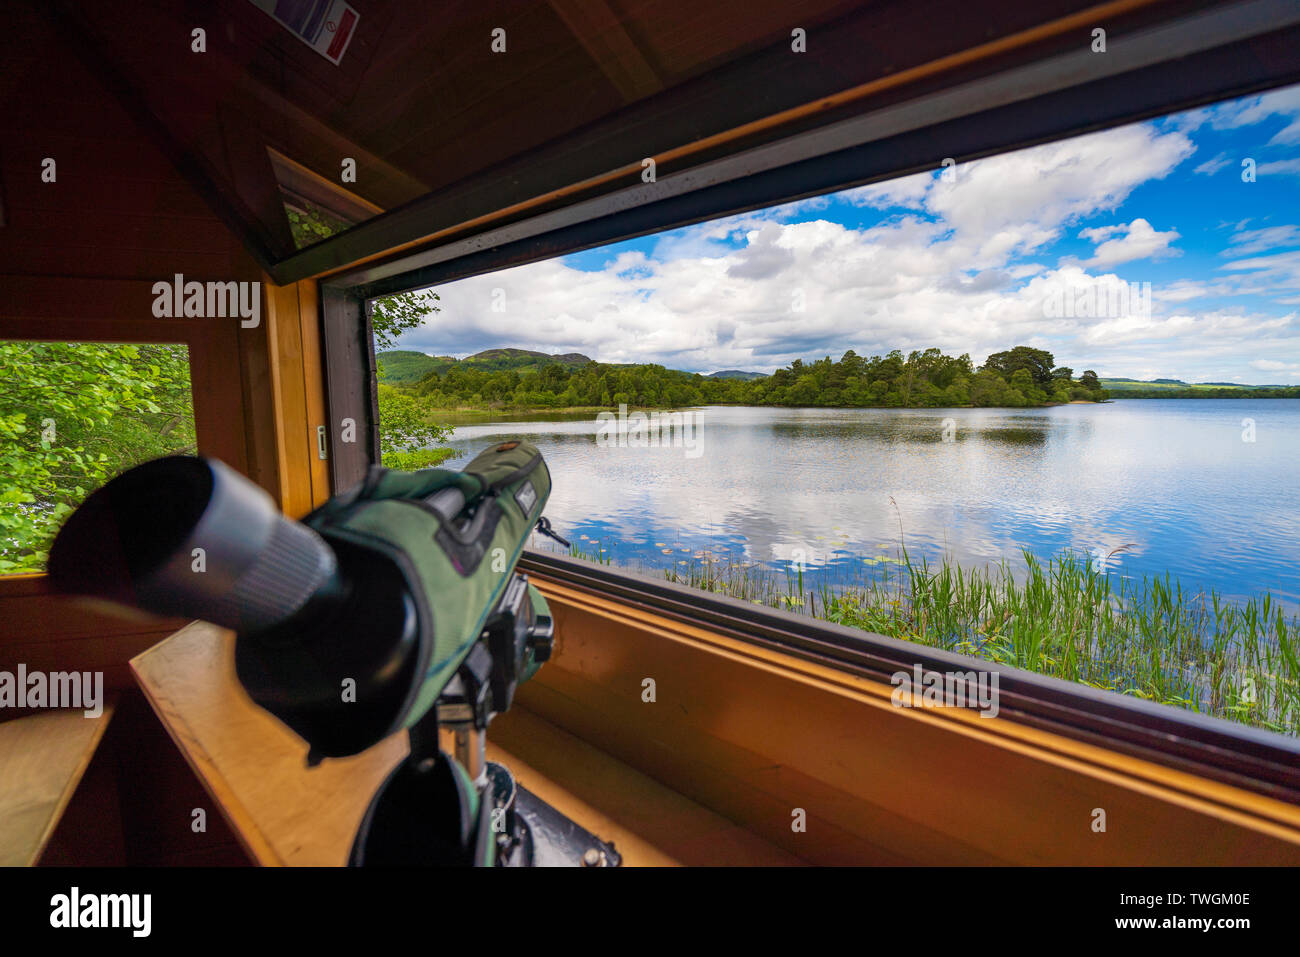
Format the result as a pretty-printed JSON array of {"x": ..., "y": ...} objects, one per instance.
[{"x": 820, "y": 481}]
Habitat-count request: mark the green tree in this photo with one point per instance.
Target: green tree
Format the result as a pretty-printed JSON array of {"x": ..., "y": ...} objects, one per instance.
[
  {"x": 1036, "y": 362},
  {"x": 923, "y": 379},
  {"x": 406, "y": 432},
  {"x": 390, "y": 316},
  {"x": 1022, "y": 381},
  {"x": 72, "y": 415}
]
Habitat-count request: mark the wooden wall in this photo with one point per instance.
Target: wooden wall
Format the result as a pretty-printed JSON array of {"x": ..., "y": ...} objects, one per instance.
[{"x": 78, "y": 260}]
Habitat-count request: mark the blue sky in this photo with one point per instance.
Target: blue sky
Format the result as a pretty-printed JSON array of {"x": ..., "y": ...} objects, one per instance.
[{"x": 966, "y": 260}]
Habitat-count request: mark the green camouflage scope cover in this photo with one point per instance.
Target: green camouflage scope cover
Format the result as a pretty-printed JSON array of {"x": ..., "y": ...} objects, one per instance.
[{"x": 456, "y": 579}]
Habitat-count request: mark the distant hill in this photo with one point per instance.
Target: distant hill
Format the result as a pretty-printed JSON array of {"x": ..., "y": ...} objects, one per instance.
[
  {"x": 736, "y": 374},
  {"x": 403, "y": 365},
  {"x": 1115, "y": 386},
  {"x": 1177, "y": 389},
  {"x": 495, "y": 359}
]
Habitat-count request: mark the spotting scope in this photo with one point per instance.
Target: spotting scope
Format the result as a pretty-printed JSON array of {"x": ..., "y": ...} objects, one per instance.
[{"x": 395, "y": 605}]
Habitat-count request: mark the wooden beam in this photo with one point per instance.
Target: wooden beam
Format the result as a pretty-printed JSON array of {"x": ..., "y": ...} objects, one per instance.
[
  {"x": 289, "y": 399},
  {"x": 251, "y": 175},
  {"x": 604, "y": 37},
  {"x": 311, "y": 186}
]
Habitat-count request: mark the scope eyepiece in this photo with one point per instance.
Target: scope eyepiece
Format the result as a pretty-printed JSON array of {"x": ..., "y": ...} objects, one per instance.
[
  {"x": 351, "y": 624},
  {"x": 191, "y": 537}
]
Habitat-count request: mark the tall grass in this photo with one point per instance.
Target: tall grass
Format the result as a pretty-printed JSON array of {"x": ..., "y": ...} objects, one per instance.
[{"x": 1150, "y": 637}]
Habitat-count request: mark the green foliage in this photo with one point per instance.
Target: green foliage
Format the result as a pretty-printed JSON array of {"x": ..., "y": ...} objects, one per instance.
[
  {"x": 72, "y": 415},
  {"x": 309, "y": 224},
  {"x": 515, "y": 379},
  {"x": 1149, "y": 636},
  {"x": 1125, "y": 389},
  {"x": 390, "y": 316},
  {"x": 405, "y": 432},
  {"x": 404, "y": 366},
  {"x": 1178, "y": 389},
  {"x": 1036, "y": 362}
]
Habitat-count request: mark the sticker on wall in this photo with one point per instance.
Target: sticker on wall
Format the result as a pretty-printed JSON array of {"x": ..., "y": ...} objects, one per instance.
[{"x": 324, "y": 25}]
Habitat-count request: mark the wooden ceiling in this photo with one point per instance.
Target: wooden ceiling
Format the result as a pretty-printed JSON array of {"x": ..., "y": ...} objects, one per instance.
[
  {"x": 419, "y": 99},
  {"x": 444, "y": 131}
]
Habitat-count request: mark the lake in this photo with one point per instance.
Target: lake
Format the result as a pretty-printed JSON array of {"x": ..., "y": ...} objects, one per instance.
[{"x": 1207, "y": 490}]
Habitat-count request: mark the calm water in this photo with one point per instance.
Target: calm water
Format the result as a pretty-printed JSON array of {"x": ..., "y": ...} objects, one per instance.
[{"x": 1171, "y": 478}]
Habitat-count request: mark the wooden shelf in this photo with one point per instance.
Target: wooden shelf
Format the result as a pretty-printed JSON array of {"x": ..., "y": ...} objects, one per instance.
[
  {"x": 284, "y": 813},
  {"x": 42, "y": 759}
]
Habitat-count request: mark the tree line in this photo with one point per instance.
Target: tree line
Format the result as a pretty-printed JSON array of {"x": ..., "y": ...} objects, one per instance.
[
  {"x": 1210, "y": 392},
  {"x": 1019, "y": 377}
]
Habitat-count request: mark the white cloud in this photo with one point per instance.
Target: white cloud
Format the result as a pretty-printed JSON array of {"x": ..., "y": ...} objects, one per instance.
[
  {"x": 1249, "y": 241},
  {"x": 722, "y": 295},
  {"x": 1018, "y": 202},
  {"x": 1278, "y": 371},
  {"x": 1212, "y": 166},
  {"x": 1282, "y": 267},
  {"x": 1098, "y": 234},
  {"x": 1137, "y": 240},
  {"x": 1186, "y": 290},
  {"x": 1247, "y": 112},
  {"x": 907, "y": 191},
  {"x": 1289, "y": 167}
]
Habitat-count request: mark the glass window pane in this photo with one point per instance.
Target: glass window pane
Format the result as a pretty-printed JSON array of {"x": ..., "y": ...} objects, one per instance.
[{"x": 1042, "y": 408}]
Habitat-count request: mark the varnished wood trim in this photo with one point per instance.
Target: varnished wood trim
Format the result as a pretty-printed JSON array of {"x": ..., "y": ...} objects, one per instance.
[
  {"x": 755, "y": 733},
  {"x": 284, "y": 331},
  {"x": 313, "y": 374}
]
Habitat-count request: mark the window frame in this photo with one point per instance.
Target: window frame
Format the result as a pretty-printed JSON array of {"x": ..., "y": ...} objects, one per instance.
[
  {"x": 37, "y": 625},
  {"x": 974, "y": 120}
]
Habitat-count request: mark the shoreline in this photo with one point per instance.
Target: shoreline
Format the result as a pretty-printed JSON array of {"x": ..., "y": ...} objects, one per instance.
[
  {"x": 470, "y": 411},
  {"x": 594, "y": 409}
]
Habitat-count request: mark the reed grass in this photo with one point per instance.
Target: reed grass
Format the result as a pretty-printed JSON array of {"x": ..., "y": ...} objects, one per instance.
[{"x": 1148, "y": 637}]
